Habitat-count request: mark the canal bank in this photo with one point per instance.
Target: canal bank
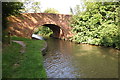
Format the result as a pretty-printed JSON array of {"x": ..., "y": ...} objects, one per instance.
[
  {"x": 65, "y": 59},
  {"x": 28, "y": 64}
]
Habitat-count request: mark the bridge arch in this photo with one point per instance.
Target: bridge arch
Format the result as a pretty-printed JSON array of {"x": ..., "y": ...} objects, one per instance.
[
  {"x": 24, "y": 24},
  {"x": 57, "y": 31}
]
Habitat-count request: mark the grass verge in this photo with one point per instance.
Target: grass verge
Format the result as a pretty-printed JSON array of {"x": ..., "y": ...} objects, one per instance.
[{"x": 23, "y": 65}]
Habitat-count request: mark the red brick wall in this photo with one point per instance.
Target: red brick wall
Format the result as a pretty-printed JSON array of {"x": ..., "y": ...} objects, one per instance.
[{"x": 24, "y": 24}]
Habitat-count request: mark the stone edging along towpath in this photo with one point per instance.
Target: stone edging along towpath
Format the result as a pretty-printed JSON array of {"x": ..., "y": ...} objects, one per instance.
[
  {"x": 22, "y": 44},
  {"x": 44, "y": 49}
]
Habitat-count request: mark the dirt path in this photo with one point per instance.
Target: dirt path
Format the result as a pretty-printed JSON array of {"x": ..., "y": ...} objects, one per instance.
[{"x": 22, "y": 44}]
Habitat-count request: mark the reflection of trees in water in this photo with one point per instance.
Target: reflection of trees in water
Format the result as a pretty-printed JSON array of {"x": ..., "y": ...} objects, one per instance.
[
  {"x": 80, "y": 60},
  {"x": 94, "y": 61},
  {"x": 57, "y": 60},
  {"x": 100, "y": 51}
]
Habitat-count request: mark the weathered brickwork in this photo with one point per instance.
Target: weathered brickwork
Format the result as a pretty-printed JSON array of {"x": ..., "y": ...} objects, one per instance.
[{"x": 23, "y": 25}]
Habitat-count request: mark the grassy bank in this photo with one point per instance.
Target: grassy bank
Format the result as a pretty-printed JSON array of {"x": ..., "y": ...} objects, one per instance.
[{"x": 23, "y": 65}]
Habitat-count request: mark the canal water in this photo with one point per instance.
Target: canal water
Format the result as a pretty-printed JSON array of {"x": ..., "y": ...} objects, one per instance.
[{"x": 66, "y": 59}]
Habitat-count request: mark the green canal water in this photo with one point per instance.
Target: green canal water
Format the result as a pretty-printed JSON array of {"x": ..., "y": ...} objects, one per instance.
[{"x": 66, "y": 59}]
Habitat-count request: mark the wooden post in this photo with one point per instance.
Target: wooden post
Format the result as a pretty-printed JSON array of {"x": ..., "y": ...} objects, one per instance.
[{"x": 9, "y": 37}]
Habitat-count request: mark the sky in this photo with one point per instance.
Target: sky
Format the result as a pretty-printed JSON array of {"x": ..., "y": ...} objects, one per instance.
[{"x": 63, "y": 6}]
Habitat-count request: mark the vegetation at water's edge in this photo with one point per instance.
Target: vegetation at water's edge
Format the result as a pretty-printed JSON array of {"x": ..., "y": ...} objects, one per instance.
[
  {"x": 23, "y": 65},
  {"x": 43, "y": 31},
  {"x": 98, "y": 25}
]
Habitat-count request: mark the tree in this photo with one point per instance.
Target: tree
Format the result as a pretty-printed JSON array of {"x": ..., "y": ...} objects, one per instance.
[
  {"x": 98, "y": 25},
  {"x": 71, "y": 11},
  {"x": 51, "y": 10},
  {"x": 29, "y": 6},
  {"x": 43, "y": 31},
  {"x": 9, "y": 8},
  {"x": 77, "y": 9}
]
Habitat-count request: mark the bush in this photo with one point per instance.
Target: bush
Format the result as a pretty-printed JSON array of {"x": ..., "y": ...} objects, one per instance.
[
  {"x": 43, "y": 31},
  {"x": 98, "y": 25}
]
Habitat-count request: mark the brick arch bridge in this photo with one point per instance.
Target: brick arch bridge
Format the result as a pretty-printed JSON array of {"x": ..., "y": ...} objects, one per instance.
[{"x": 24, "y": 24}]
